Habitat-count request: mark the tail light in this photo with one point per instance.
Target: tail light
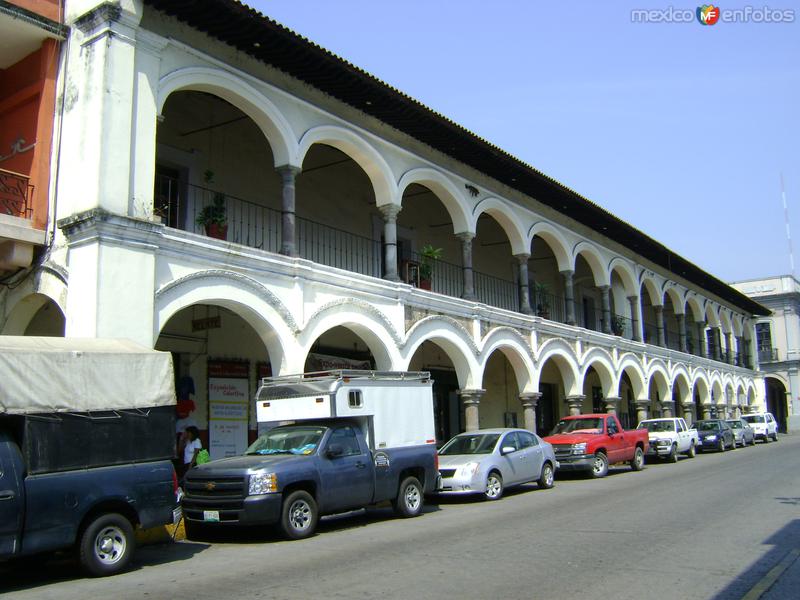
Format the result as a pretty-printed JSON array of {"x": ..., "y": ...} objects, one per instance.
[{"x": 436, "y": 461}]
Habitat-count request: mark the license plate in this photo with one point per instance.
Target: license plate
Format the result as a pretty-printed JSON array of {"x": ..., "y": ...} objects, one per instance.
[
  {"x": 176, "y": 515},
  {"x": 211, "y": 515}
]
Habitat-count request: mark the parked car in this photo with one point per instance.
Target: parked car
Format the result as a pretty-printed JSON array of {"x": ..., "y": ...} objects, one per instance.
[
  {"x": 670, "y": 437},
  {"x": 764, "y": 426},
  {"x": 714, "y": 434},
  {"x": 490, "y": 460},
  {"x": 592, "y": 442},
  {"x": 742, "y": 432}
]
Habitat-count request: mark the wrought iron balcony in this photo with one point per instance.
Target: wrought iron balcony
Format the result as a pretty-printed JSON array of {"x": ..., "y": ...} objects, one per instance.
[
  {"x": 766, "y": 355},
  {"x": 16, "y": 195}
]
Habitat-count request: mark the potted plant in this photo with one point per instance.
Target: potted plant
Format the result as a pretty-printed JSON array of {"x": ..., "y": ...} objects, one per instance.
[
  {"x": 214, "y": 216},
  {"x": 428, "y": 254},
  {"x": 617, "y": 324},
  {"x": 541, "y": 293}
]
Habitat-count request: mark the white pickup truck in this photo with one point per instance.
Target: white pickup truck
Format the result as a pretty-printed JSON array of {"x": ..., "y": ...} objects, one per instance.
[{"x": 670, "y": 437}]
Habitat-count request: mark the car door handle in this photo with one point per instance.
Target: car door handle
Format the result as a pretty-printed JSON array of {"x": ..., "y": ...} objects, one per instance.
[
  {"x": 7, "y": 495},
  {"x": 360, "y": 465}
]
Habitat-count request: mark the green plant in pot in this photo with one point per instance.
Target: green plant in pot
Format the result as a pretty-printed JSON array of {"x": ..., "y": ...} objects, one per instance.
[
  {"x": 617, "y": 324},
  {"x": 541, "y": 293},
  {"x": 214, "y": 217},
  {"x": 428, "y": 254}
]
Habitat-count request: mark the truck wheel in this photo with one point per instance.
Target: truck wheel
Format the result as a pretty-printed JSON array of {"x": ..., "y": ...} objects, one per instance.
[
  {"x": 766, "y": 439},
  {"x": 753, "y": 441},
  {"x": 692, "y": 450},
  {"x": 409, "y": 498},
  {"x": 600, "y": 465},
  {"x": 494, "y": 486},
  {"x": 775, "y": 437},
  {"x": 673, "y": 454},
  {"x": 299, "y": 515},
  {"x": 107, "y": 545},
  {"x": 637, "y": 462},
  {"x": 547, "y": 478}
]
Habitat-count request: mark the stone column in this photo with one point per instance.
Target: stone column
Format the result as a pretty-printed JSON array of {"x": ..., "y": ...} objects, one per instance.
[
  {"x": 731, "y": 351},
  {"x": 466, "y": 264},
  {"x": 659, "y": 310},
  {"x": 569, "y": 296},
  {"x": 524, "y": 284},
  {"x": 575, "y": 403},
  {"x": 529, "y": 402},
  {"x": 390, "y": 212},
  {"x": 667, "y": 409},
  {"x": 702, "y": 345},
  {"x": 288, "y": 239},
  {"x": 717, "y": 343},
  {"x": 688, "y": 412},
  {"x": 637, "y": 330},
  {"x": 612, "y": 402},
  {"x": 642, "y": 406},
  {"x": 682, "y": 332},
  {"x": 706, "y": 410},
  {"x": 605, "y": 302},
  {"x": 471, "y": 399},
  {"x": 739, "y": 351}
]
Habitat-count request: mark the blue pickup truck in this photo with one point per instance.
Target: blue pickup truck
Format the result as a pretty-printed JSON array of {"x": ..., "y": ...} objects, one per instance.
[
  {"x": 82, "y": 467},
  {"x": 357, "y": 438}
]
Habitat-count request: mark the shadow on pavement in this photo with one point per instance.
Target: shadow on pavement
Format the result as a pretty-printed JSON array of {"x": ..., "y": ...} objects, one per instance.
[
  {"x": 783, "y": 542},
  {"x": 34, "y": 571}
]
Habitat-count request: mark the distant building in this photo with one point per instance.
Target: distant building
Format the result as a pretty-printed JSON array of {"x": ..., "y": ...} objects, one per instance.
[{"x": 778, "y": 344}]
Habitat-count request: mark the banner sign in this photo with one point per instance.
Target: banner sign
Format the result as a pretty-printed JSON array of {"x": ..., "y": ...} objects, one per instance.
[{"x": 228, "y": 404}]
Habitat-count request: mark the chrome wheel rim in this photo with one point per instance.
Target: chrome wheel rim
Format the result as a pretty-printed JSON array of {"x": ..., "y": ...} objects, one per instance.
[
  {"x": 300, "y": 515},
  {"x": 493, "y": 487},
  {"x": 599, "y": 465},
  {"x": 548, "y": 475},
  {"x": 110, "y": 544},
  {"x": 413, "y": 497}
]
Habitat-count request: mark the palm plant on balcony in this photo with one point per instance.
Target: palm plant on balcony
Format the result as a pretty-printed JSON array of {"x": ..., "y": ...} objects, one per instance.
[
  {"x": 214, "y": 217},
  {"x": 541, "y": 294},
  {"x": 428, "y": 255},
  {"x": 617, "y": 324}
]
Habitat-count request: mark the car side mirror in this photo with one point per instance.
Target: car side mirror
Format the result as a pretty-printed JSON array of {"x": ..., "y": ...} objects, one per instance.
[
  {"x": 507, "y": 450},
  {"x": 334, "y": 451}
]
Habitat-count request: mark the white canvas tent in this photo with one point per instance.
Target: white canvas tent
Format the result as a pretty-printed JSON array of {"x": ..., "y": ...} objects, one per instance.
[{"x": 47, "y": 374}]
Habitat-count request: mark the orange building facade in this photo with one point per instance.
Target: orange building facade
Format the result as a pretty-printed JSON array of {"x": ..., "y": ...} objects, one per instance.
[{"x": 32, "y": 31}]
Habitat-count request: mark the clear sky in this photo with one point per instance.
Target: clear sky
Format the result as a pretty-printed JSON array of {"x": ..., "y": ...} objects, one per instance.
[{"x": 678, "y": 128}]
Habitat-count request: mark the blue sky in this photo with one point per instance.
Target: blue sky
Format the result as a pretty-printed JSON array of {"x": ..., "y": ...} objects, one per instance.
[{"x": 680, "y": 129}]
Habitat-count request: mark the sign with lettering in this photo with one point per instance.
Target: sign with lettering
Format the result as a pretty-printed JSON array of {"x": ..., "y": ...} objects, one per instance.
[{"x": 228, "y": 408}]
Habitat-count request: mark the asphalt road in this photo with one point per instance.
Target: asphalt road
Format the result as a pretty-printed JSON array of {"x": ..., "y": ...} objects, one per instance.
[{"x": 709, "y": 527}]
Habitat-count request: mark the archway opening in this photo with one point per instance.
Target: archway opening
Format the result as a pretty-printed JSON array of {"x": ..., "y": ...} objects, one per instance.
[
  {"x": 500, "y": 405},
  {"x": 588, "y": 304},
  {"x": 448, "y": 410},
  {"x": 495, "y": 269},
  {"x": 339, "y": 348},
  {"x": 554, "y": 384},
  {"x": 546, "y": 282},
  {"x": 593, "y": 391},
  {"x": 777, "y": 402},
  {"x": 627, "y": 406},
  {"x": 36, "y": 314}
]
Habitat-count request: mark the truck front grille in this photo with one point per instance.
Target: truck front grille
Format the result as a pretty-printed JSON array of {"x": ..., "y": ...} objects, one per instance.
[{"x": 223, "y": 494}]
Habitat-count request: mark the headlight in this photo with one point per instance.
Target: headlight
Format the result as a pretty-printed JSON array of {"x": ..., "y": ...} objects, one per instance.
[
  {"x": 711, "y": 438},
  {"x": 468, "y": 470},
  {"x": 263, "y": 483},
  {"x": 662, "y": 442},
  {"x": 579, "y": 448}
]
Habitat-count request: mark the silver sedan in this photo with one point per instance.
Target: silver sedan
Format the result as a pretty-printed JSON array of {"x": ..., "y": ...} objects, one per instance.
[
  {"x": 489, "y": 460},
  {"x": 743, "y": 434}
]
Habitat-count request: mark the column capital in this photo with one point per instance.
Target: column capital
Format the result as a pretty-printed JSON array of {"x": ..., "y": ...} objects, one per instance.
[
  {"x": 471, "y": 396},
  {"x": 642, "y": 403},
  {"x": 575, "y": 403},
  {"x": 522, "y": 257},
  {"x": 633, "y": 298},
  {"x": 687, "y": 406},
  {"x": 288, "y": 171},
  {"x": 603, "y": 288},
  {"x": 611, "y": 403},
  {"x": 567, "y": 272},
  {"x": 390, "y": 211},
  {"x": 530, "y": 399},
  {"x": 658, "y": 308},
  {"x": 466, "y": 236}
]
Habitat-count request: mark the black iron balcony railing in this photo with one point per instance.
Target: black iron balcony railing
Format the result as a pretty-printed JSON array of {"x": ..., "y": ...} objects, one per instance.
[
  {"x": 16, "y": 195},
  {"x": 547, "y": 305},
  {"x": 766, "y": 355}
]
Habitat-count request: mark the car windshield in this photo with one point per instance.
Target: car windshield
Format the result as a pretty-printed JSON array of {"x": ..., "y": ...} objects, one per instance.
[
  {"x": 754, "y": 419},
  {"x": 478, "y": 443},
  {"x": 301, "y": 439},
  {"x": 657, "y": 426},
  {"x": 707, "y": 426},
  {"x": 585, "y": 425},
  {"x": 737, "y": 424}
]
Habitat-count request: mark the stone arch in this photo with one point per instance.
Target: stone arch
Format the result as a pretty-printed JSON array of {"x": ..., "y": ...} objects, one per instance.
[
  {"x": 717, "y": 392},
  {"x": 695, "y": 304},
  {"x": 712, "y": 314},
  {"x": 681, "y": 383},
  {"x": 555, "y": 241},
  {"x": 444, "y": 189},
  {"x": 246, "y": 98},
  {"x": 593, "y": 258},
  {"x": 620, "y": 267},
  {"x": 725, "y": 321},
  {"x": 738, "y": 325},
  {"x": 501, "y": 212},
  {"x": 631, "y": 365},
  {"x": 675, "y": 297},
  {"x": 565, "y": 360},
  {"x": 657, "y": 373},
  {"x": 651, "y": 287},
  {"x": 357, "y": 148},
  {"x": 513, "y": 346},
  {"x": 603, "y": 364},
  {"x": 243, "y": 295},
  {"x": 700, "y": 387},
  {"x": 453, "y": 339}
]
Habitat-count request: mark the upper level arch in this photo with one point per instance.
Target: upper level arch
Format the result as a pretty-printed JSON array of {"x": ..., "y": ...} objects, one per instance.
[
  {"x": 502, "y": 213},
  {"x": 555, "y": 241},
  {"x": 592, "y": 256},
  {"x": 444, "y": 189}
]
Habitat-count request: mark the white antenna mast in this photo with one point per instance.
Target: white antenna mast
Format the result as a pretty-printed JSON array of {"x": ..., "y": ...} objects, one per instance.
[{"x": 788, "y": 230}]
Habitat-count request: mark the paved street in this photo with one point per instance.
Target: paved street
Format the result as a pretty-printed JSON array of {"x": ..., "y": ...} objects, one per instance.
[{"x": 711, "y": 527}]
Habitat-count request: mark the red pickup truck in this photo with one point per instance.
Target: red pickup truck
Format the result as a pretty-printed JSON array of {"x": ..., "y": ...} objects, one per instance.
[{"x": 592, "y": 442}]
